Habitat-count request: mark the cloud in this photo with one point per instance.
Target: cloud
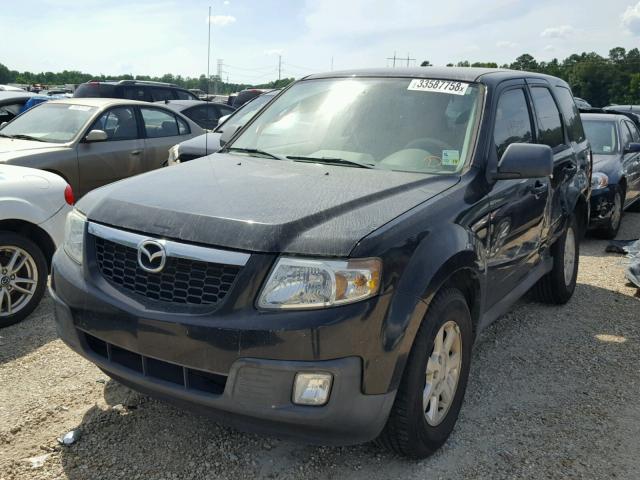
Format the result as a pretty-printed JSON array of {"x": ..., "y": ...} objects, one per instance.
[
  {"x": 274, "y": 51},
  {"x": 506, "y": 44},
  {"x": 226, "y": 2},
  {"x": 549, "y": 48},
  {"x": 631, "y": 19},
  {"x": 222, "y": 20},
  {"x": 563, "y": 31}
]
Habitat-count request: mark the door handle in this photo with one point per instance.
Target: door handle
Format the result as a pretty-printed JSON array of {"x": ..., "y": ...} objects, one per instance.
[{"x": 136, "y": 152}]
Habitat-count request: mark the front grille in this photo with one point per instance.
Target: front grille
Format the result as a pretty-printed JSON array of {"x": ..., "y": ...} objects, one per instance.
[
  {"x": 182, "y": 281},
  {"x": 188, "y": 378}
]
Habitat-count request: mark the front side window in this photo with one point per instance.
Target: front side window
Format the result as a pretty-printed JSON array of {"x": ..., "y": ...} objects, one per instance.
[
  {"x": 204, "y": 115},
  {"x": 402, "y": 124},
  {"x": 513, "y": 123},
  {"x": 118, "y": 123},
  {"x": 625, "y": 136},
  {"x": 572, "y": 116},
  {"x": 635, "y": 135},
  {"x": 161, "y": 94},
  {"x": 548, "y": 116},
  {"x": 159, "y": 123},
  {"x": 50, "y": 122},
  {"x": 602, "y": 136}
]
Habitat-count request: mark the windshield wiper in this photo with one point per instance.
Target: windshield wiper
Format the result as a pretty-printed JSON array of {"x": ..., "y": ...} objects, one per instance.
[
  {"x": 330, "y": 161},
  {"x": 25, "y": 137},
  {"x": 254, "y": 151}
]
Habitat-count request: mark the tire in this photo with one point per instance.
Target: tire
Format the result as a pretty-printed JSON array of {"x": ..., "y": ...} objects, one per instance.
[
  {"x": 34, "y": 270},
  {"x": 556, "y": 287},
  {"x": 408, "y": 431},
  {"x": 610, "y": 230}
]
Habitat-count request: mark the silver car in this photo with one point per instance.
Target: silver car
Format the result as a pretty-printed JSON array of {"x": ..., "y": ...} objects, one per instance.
[{"x": 94, "y": 141}]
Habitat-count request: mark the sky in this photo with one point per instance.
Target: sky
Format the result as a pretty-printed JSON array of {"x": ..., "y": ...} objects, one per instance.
[{"x": 146, "y": 37}]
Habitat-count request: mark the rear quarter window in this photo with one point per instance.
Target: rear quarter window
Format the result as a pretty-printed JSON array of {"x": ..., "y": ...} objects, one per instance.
[{"x": 571, "y": 115}]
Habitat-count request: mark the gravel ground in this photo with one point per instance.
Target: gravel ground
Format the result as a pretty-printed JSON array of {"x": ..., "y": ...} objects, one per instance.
[{"x": 553, "y": 393}]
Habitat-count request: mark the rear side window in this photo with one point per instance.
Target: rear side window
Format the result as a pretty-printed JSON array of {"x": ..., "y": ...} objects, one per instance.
[
  {"x": 135, "y": 93},
  {"x": 184, "y": 95},
  {"x": 571, "y": 114},
  {"x": 159, "y": 123},
  {"x": 513, "y": 124},
  {"x": 95, "y": 90},
  {"x": 548, "y": 116},
  {"x": 161, "y": 94}
]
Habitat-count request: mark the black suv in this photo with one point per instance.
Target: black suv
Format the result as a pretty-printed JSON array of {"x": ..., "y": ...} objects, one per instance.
[
  {"x": 325, "y": 274},
  {"x": 133, "y": 90}
]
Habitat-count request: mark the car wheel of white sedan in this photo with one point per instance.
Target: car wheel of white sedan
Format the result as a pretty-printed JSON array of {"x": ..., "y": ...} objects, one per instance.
[{"x": 23, "y": 276}]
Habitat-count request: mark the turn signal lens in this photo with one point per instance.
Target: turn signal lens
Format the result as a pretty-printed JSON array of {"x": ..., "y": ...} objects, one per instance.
[{"x": 68, "y": 195}]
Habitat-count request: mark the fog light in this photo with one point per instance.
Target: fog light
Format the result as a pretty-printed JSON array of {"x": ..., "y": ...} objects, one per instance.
[{"x": 312, "y": 388}]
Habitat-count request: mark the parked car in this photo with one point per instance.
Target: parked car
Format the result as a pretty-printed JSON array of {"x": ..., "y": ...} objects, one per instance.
[
  {"x": 33, "y": 208},
  {"x": 9, "y": 88},
  {"x": 249, "y": 94},
  {"x": 325, "y": 274},
  {"x": 11, "y": 104},
  {"x": 203, "y": 145},
  {"x": 615, "y": 143},
  {"x": 205, "y": 114},
  {"x": 93, "y": 141},
  {"x": 582, "y": 104},
  {"x": 133, "y": 90},
  {"x": 623, "y": 108}
]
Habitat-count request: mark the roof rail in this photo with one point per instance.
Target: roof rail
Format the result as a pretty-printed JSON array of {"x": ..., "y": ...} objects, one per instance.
[{"x": 146, "y": 82}]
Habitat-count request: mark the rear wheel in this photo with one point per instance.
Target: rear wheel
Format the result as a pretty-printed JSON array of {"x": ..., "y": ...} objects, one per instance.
[
  {"x": 23, "y": 277},
  {"x": 434, "y": 381},
  {"x": 557, "y": 286}
]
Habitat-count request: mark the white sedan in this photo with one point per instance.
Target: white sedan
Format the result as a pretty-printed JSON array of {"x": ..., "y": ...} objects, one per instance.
[{"x": 33, "y": 208}]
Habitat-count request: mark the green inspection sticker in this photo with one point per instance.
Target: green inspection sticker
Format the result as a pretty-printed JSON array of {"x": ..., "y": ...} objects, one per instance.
[{"x": 450, "y": 158}]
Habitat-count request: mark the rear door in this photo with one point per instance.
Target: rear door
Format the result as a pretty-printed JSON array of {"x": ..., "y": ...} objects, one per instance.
[
  {"x": 120, "y": 156},
  {"x": 518, "y": 206},
  {"x": 162, "y": 130},
  {"x": 205, "y": 115}
]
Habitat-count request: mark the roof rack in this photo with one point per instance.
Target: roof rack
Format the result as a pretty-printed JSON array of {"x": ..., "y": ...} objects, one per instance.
[{"x": 146, "y": 82}]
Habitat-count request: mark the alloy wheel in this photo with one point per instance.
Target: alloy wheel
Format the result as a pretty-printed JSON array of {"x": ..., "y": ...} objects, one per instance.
[
  {"x": 569, "y": 256},
  {"x": 18, "y": 279},
  {"x": 442, "y": 373}
]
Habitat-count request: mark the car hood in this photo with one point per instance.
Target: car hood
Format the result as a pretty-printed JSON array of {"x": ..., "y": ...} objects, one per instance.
[
  {"x": 262, "y": 205},
  {"x": 13, "y": 148},
  {"x": 201, "y": 145}
]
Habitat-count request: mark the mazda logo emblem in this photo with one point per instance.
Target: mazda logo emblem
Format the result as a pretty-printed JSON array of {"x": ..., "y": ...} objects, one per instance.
[{"x": 151, "y": 256}]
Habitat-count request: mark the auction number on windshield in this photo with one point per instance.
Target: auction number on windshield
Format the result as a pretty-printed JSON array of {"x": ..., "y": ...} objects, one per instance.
[{"x": 442, "y": 86}]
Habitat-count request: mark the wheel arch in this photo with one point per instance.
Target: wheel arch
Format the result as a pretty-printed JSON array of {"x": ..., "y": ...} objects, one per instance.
[{"x": 33, "y": 232}]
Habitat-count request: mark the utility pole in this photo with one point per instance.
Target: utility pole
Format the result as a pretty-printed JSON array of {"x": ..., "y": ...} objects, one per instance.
[
  {"x": 393, "y": 58},
  {"x": 279, "y": 66},
  {"x": 412, "y": 59},
  {"x": 332, "y": 64}
]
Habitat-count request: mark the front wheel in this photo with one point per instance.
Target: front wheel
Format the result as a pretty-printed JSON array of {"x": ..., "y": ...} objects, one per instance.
[
  {"x": 610, "y": 230},
  {"x": 23, "y": 277},
  {"x": 434, "y": 381},
  {"x": 557, "y": 286}
]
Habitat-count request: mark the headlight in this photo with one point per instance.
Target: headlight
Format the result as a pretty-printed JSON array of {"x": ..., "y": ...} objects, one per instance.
[
  {"x": 310, "y": 283},
  {"x": 74, "y": 235},
  {"x": 174, "y": 155},
  {"x": 599, "y": 180}
]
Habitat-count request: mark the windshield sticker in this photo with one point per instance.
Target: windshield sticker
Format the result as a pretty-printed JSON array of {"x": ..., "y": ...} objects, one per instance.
[
  {"x": 441, "y": 86},
  {"x": 82, "y": 108},
  {"x": 606, "y": 148},
  {"x": 450, "y": 158}
]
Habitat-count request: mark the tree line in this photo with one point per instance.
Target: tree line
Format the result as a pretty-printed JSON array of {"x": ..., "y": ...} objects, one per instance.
[
  {"x": 214, "y": 85},
  {"x": 599, "y": 80}
]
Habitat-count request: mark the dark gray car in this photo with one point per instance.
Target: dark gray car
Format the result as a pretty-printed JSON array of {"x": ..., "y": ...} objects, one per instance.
[{"x": 93, "y": 141}]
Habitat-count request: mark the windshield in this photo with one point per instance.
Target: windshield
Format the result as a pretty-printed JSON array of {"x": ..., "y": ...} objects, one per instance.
[
  {"x": 50, "y": 122},
  {"x": 602, "y": 136},
  {"x": 389, "y": 123},
  {"x": 245, "y": 113}
]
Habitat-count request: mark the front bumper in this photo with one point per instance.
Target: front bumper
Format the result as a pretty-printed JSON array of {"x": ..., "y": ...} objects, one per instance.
[{"x": 242, "y": 376}]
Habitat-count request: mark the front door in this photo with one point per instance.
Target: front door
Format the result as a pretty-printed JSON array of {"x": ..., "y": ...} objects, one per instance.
[
  {"x": 518, "y": 206},
  {"x": 120, "y": 156}
]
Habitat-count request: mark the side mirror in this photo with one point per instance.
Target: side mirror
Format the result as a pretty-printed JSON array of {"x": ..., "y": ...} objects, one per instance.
[
  {"x": 632, "y": 148},
  {"x": 96, "y": 136},
  {"x": 525, "y": 160},
  {"x": 222, "y": 119},
  {"x": 227, "y": 134},
  {"x": 3, "y": 124}
]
